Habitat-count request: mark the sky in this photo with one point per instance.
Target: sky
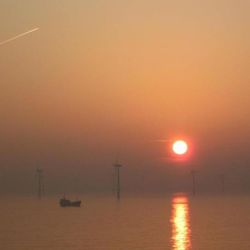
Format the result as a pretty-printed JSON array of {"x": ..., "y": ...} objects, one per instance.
[{"x": 103, "y": 79}]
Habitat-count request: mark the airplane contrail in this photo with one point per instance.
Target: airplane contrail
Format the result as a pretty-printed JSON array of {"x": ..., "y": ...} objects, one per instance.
[{"x": 18, "y": 36}]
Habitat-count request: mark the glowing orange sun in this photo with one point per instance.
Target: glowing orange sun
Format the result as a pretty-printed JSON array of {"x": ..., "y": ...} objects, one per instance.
[{"x": 180, "y": 147}]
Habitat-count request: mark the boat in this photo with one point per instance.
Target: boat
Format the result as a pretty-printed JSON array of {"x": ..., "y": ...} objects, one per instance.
[{"x": 68, "y": 203}]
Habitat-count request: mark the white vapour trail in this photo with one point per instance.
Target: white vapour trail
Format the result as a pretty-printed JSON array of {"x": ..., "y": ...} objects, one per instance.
[{"x": 18, "y": 36}]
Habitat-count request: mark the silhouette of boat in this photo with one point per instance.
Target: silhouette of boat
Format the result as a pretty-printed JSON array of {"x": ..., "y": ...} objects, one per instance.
[{"x": 68, "y": 203}]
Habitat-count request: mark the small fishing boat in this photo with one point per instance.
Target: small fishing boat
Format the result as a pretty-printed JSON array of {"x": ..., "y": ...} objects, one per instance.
[{"x": 68, "y": 203}]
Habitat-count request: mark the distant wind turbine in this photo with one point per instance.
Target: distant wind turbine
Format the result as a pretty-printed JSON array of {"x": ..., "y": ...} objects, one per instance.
[
  {"x": 193, "y": 174},
  {"x": 18, "y": 36},
  {"x": 117, "y": 183}
]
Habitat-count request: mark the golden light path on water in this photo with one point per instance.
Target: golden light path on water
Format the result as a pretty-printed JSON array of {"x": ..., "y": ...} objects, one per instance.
[{"x": 180, "y": 223}]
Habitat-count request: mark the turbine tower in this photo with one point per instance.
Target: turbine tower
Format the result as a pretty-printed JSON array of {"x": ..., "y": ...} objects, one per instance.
[
  {"x": 193, "y": 173},
  {"x": 117, "y": 184},
  {"x": 40, "y": 186},
  {"x": 222, "y": 182}
]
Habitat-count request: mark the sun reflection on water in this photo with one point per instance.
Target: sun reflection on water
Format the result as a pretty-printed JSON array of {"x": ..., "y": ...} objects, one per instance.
[{"x": 180, "y": 223}]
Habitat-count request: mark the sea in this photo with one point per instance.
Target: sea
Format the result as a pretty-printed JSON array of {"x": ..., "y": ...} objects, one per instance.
[{"x": 147, "y": 222}]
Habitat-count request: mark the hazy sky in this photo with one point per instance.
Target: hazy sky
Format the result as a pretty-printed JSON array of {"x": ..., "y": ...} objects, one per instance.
[{"x": 103, "y": 77}]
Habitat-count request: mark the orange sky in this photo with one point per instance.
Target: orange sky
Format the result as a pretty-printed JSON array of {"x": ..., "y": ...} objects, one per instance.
[{"x": 101, "y": 77}]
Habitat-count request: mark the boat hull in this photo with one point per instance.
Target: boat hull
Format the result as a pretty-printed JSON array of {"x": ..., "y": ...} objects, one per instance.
[{"x": 68, "y": 203}]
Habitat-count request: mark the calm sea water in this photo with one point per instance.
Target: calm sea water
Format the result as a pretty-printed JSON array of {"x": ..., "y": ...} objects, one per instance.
[{"x": 177, "y": 222}]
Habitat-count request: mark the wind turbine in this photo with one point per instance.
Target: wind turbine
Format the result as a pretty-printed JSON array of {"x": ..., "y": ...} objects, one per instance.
[
  {"x": 117, "y": 183},
  {"x": 222, "y": 182},
  {"x": 40, "y": 186},
  {"x": 193, "y": 174}
]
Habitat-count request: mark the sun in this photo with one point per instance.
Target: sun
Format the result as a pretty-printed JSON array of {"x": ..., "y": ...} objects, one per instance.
[{"x": 180, "y": 147}]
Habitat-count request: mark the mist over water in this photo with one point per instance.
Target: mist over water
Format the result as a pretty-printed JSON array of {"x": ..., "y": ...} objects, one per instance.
[{"x": 176, "y": 222}]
